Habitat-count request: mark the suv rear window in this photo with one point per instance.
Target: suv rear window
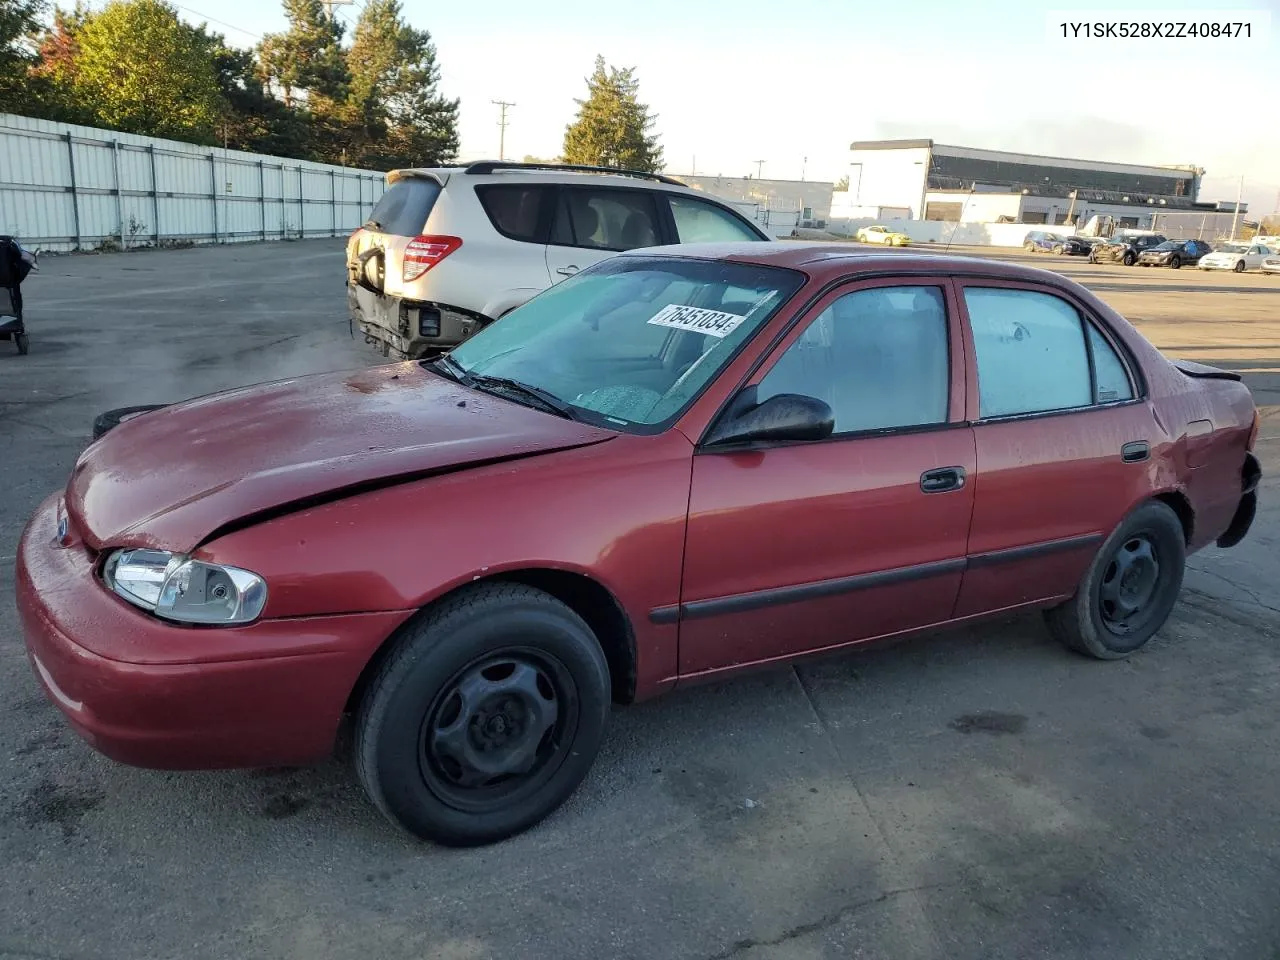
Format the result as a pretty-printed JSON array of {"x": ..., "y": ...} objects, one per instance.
[
  {"x": 404, "y": 208},
  {"x": 514, "y": 209}
]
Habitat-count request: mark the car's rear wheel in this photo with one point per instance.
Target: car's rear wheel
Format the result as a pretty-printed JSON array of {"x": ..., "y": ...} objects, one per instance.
[
  {"x": 1130, "y": 588},
  {"x": 484, "y": 717},
  {"x": 1129, "y": 259},
  {"x": 1175, "y": 261},
  {"x": 1239, "y": 267}
]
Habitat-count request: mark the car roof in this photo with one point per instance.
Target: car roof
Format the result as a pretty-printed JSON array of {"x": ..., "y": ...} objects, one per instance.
[
  {"x": 499, "y": 172},
  {"x": 824, "y": 261}
]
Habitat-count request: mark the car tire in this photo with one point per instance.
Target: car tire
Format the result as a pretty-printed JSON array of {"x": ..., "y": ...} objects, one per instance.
[
  {"x": 499, "y": 675},
  {"x": 1060, "y": 250},
  {"x": 1175, "y": 262},
  {"x": 1129, "y": 259},
  {"x": 1239, "y": 267},
  {"x": 1148, "y": 550},
  {"x": 104, "y": 422},
  {"x": 1029, "y": 247},
  {"x": 22, "y": 343}
]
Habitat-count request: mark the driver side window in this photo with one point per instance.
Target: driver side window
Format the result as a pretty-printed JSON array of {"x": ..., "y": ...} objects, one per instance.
[{"x": 878, "y": 357}]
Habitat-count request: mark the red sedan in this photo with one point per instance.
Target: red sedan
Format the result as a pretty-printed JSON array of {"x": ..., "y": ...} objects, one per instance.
[{"x": 678, "y": 464}]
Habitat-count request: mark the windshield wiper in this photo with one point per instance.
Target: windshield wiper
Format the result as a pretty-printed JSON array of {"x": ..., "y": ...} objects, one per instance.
[
  {"x": 542, "y": 398},
  {"x": 450, "y": 368}
]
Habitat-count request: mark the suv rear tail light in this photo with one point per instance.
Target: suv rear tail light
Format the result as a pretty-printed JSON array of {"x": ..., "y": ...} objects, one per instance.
[{"x": 423, "y": 253}]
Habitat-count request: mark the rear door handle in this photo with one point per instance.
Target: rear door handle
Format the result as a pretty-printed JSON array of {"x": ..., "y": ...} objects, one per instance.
[
  {"x": 1135, "y": 452},
  {"x": 942, "y": 479},
  {"x": 568, "y": 271}
]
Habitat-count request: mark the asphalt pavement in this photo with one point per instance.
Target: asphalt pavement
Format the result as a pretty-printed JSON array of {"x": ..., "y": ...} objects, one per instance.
[{"x": 982, "y": 793}]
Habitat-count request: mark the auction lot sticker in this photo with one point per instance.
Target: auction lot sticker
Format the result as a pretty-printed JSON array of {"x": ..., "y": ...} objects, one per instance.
[{"x": 713, "y": 323}]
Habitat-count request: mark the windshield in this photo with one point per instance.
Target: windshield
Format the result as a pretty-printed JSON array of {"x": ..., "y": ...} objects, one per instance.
[
  {"x": 631, "y": 341},
  {"x": 1167, "y": 245}
]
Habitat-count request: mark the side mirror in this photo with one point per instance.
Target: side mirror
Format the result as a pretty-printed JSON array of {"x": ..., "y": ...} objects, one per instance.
[{"x": 787, "y": 416}]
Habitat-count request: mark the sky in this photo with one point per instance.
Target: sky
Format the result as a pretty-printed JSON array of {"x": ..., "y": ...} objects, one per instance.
[{"x": 733, "y": 82}]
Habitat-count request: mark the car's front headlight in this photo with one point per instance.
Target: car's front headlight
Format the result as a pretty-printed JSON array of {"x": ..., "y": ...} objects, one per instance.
[{"x": 189, "y": 591}]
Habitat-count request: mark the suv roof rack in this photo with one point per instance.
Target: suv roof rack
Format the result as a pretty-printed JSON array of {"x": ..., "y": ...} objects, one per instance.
[{"x": 490, "y": 166}]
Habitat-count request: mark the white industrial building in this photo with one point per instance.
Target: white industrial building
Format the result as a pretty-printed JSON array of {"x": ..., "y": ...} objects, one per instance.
[{"x": 924, "y": 180}]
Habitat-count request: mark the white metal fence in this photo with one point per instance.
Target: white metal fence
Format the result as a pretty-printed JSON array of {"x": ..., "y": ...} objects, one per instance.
[{"x": 67, "y": 187}]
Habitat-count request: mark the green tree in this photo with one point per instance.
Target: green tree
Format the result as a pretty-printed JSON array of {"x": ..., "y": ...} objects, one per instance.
[
  {"x": 19, "y": 32},
  {"x": 250, "y": 118},
  {"x": 613, "y": 128},
  {"x": 140, "y": 69},
  {"x": 307, "y": 59},
  {"x": 395, "y": 101}
]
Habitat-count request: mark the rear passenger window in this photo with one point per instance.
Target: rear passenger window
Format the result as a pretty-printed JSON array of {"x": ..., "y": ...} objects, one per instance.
[
  {"x": 877, "y": 357},
  {"x": 701, "y": 222},
  {"x": 404, "y": 208},
  {"x": 514, "y": 209},
  {"x": 1033, "y": 355},
  {"x": 606, "y": 219},
  {"x": 1109, "y": 373}
]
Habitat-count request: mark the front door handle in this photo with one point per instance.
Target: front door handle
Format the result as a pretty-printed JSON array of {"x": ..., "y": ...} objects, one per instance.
[
  {"x": 568, "y": 271},
  {"x": 942, "y": 479}
]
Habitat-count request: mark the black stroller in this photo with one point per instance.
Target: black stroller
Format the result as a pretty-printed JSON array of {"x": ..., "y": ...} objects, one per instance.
[{"x": 15, "y": 264}]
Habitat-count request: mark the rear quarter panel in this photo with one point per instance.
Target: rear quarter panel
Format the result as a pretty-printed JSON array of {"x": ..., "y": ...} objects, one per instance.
[
  {"x": 614, "y": 511},
  {"x": 1203, "y": 430}
]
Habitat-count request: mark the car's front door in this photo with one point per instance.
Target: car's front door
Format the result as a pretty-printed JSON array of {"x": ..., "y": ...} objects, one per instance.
[
  {"x": 1063, "y": 443},
  {"x": 592, "y": 223},
  {"x": 797, "y": 546}
]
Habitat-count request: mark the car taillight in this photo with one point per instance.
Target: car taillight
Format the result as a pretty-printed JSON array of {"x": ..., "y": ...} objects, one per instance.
[
  {"x": 423, "y": 253},
  {"x": 1253, "y": 431}
]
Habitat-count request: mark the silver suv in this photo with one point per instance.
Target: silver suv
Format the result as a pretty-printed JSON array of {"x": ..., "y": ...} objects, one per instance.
[{"x": 448, "y": 249}]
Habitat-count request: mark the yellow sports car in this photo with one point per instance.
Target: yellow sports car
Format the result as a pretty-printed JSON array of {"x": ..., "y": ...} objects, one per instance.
[{"x": 882, "y": 234}]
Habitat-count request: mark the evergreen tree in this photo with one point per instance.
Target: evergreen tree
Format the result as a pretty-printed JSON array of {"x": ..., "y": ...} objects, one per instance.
[
  {"x": 306, "y": 62},
  {"x": 19, "y": 31},
  {"x": 395, "y": 100},
  {"x": 613, "y": 128}
]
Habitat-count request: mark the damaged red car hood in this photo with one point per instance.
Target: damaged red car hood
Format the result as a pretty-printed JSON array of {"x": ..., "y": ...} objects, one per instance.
[{"x": 171, "y": 478}]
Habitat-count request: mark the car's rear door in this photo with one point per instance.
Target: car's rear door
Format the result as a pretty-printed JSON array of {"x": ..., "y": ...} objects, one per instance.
[
  {"x": 594, "y": 222},
  {"x": 796, "y": 546},
  {"x": 1062, "y": 436}
]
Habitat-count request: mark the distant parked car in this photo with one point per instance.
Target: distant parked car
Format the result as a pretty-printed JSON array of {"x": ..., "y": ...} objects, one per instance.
[
  {"x": 882, "y": 234},
  {"x": 447, "y": 250},
  {"x": 1125, "y": 250},
  {"x": 1175, "y": 254},
  {"x": 1236, "y": 256},
  {"x": 1271, "y": 264}
]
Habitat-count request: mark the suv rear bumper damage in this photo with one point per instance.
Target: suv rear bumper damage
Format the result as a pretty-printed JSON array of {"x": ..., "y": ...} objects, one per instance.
[{"x": 411, "y": 329}]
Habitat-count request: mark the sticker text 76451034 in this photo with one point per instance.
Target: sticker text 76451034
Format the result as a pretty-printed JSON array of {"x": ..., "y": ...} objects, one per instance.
[{"x": 713, "y": 323}]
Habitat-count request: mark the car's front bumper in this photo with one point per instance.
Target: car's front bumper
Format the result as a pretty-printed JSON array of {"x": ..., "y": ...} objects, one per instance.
[{"x": 158, "y": 694}]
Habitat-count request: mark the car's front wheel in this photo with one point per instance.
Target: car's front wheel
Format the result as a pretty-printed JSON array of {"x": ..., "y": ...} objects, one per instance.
[
  {"x": 1129, "y": 259},
  {"x": 1130, "y": 588},
  {"x": 1239, "y": 267},
  {"x": 484, "y": 717}
]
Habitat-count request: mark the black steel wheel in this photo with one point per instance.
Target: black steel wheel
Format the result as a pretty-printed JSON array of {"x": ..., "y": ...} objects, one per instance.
[
  {"x": 1130, "y": 588},
  {"x": 483, "y": 716}
]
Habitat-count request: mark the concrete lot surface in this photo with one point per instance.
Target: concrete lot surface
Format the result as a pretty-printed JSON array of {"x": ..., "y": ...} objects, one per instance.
[{"x": 978, "y": 794}]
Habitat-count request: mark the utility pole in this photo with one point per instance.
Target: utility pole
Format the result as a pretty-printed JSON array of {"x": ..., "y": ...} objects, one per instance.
[
  {"x": 759, "y": 167},
  {"x": 803, "y": 166},
  {"x": 1235, "y": 219},
  {"x": 502, "y": 125},
  {"x": 331, "y": 6}
]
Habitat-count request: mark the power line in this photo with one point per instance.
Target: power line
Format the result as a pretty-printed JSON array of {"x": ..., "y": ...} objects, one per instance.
[
  {"x": 502, "y": 125},
  {"x": 221, "y": 23}
]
